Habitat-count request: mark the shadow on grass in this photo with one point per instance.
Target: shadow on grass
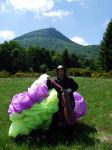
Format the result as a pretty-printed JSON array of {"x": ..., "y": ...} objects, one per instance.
[{"x": 77, "y": 134}]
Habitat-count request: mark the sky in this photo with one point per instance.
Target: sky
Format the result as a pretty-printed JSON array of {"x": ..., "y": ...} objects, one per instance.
[{"x": 82, "y": 21}]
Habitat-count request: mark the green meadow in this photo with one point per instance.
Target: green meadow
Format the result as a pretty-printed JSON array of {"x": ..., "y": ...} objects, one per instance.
[{"x": 92, "y": 132}]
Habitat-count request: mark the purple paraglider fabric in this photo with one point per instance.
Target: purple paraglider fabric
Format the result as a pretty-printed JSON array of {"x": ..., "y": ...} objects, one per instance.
[
  {"x": 19, "y": 102},
  {"x": 38, "y": 93},
  {"x": 25, "y": 100},
  {"x": 80, "y": 105}
]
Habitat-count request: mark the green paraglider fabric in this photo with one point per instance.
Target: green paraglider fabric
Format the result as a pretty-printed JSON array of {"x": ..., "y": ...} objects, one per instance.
[{"x": 38, "y": 116}]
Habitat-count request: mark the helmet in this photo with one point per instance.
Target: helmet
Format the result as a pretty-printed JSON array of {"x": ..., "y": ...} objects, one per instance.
[{"x": 61, "y": 67}]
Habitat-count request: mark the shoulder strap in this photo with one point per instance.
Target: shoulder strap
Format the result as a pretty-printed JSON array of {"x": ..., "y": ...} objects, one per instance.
[{"x": 56, "y": 84}]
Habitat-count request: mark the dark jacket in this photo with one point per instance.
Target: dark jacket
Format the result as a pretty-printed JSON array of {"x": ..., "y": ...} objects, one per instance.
[{"x": 65, "y": 83}]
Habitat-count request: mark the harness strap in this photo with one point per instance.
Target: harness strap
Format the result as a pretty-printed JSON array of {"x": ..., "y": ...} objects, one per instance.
[
  {"x": 56, "y": 84},
  {"x": 66, "y": 112}
]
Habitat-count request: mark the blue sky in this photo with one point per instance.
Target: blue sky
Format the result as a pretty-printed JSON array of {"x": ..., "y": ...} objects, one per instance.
[{"x": 83, "y": 21}]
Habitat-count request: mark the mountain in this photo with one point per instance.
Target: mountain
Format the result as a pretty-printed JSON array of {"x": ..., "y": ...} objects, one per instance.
[{"x": 52, "y": 39}]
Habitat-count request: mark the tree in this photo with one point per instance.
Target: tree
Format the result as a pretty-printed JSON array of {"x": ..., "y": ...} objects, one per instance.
[
  {"x": 45, "y": 58},
  {"x": 74, "y": 62},
  {"x": 13, "y": 57},
  {"x": 93, "y": 64},
  {"x": 19, "y": 59},
  {"x": 66, "y": 58},
  {"x": 33, "y": 58},
  {"x": 56, "y": 60},
  {"x": 39, "y": 58},
  {"x": 105, "y": 55},
  {"x": 5, "y": 59}
]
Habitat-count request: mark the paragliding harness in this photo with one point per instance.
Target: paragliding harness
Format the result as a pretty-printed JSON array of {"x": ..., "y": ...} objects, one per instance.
[{"x": 66, "y": 103}]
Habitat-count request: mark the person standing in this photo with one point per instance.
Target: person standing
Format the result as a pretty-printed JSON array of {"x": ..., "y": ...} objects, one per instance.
[{"x": 65, "y": 86}]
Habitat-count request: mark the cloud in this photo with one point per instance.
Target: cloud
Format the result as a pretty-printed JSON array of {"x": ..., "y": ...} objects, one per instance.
[
  {"x": 72, "y": 0},
  {"x": 81, "y": 2},
  {"x": 7, "y": 35},
  {"x": 39, "y": 7},
  {"x": 30, "y": 5},
  {"x": 59, "y": 13},
  {"x": 79, "y": 40},
  {"x": 76, "y": 0},
  {"x": 2, "y": 7}
]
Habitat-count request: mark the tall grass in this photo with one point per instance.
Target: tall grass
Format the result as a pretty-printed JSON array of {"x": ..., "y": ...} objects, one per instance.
[{"x": 92, "y": 132}]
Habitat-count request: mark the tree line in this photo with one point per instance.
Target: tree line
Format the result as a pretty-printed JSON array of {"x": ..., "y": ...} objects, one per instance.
[{"x": 14, "y": 58}]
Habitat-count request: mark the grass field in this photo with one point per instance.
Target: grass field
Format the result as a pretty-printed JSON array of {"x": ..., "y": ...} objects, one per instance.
[{"x": 92, "y": 132}]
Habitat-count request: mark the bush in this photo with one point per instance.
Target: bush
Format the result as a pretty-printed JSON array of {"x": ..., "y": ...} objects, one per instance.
[
  {"x": 73, "y": 72},
  {"x": 110, "y": 74},
  {"x": 102, "y": 75},
  {"x": 4, "y": 74},
  {"x": 79, "y": 72},
  {"x": 27, "y": 74},
  {"x": 52, "y": 73}
]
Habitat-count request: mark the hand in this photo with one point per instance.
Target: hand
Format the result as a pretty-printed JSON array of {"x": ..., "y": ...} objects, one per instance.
[
  {"x": 69, "y": 90},
  {"x": 48, "y": 81},
  {"x": 62, "y": 89}
]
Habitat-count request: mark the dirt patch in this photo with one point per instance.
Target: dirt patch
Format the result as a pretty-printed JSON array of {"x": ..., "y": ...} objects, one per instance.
[{"x": 104, "y": 137}]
